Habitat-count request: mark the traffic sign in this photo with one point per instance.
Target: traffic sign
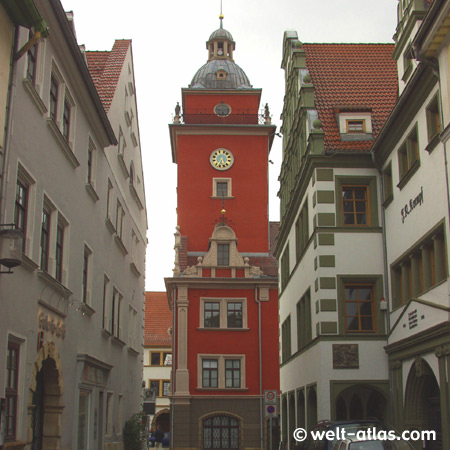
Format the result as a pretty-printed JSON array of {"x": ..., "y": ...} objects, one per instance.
[
  {"x": 270, "y": 411},
  {"x": 270, "y": 397}
]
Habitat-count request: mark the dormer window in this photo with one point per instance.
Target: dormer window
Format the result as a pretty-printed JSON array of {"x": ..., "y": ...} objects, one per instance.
[
  {"x": 354, "y": 125},
  {"x": 223, "y": 254}
]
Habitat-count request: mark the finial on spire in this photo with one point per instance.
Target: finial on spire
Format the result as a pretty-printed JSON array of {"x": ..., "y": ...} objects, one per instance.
[{"x": 221, "y": 15}]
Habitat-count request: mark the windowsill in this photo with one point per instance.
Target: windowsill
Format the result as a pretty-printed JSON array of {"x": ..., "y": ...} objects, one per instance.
[
  {"x": 87, "y": 309},
  {"x": 53, "y": 283},
  {"x": 106, "y": 333},
  {"x": 118, "y": 341},
  {"x": 221, "y": 329},
  {"x": 91, "y": 191},
  {"x": 221, "y": 389},
  {"x": 65, "y": 146},
  {"x": 120, "y": 244},
  {"x": 434, "y": 141},
  {"x": 135, "y": 196},
  {"x": 217, "y": 197},
  {"x": 110, "y": 225},
  {"x": 28, "y": 263},
  {"x": 407, "y": 72},
  {"x": 135, "y": 269},
  {"x": 133, "y": 351},
  {"x": 122, "y": 165},
  {"x": 408, "y": 175},
  {"x": 34, "y": 95},
  {"x": 388, "y": 200}
]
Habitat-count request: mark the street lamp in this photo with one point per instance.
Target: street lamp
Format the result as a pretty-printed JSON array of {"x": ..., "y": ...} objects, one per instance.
[{"x": 11, "y": 245}]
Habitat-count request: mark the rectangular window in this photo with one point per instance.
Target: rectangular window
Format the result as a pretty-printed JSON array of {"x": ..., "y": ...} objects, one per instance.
[
  {"x": 356, "y": 126},
  {"x": 212, "y": 315},
  {"x": 83, "y": 420},
  {"x": 66, "y": 119},
  {"x": 210, "y": 373},
  {"x": 119, "y": 219},
  {"x": 223, "y": 254},
  {"x": 11, "y": 390},
  {"x": 32, "y": 61},
  {"x": 154, "y": 386},
  {"x": 285, "y": 269},
  {"x": 222, "y": 189},
  {"x": 85, "y": 275},
  {"x": 53, "y": 97},
  {"x": 301, "y": 231},
  {"x": 59, "y": 252},
  {"x": 167, "y": 359},
  {"x": 21, "y": 206},
  {"x": 165, "y": 388},
  {"x": 286, "y": 339},
  {"x": 233, "y": 373},
  {"x": 45, "y": 239},
  {"x": 421, "y": 268},
  {"x": 408, "y": 153},
  {"x": 91, "y": 161},
  {"x": 304, "y": 332},
  {"x": 387, "y": 183},
  {"x": 106, "y": 319},
  {"x": 433, "y": 119},
  {"x": 355, "y": 205},
  {"x": 155, "y": 358},
  {"x": 234, "y": 315},
  {"x": 359, "y": 308},
  {"x": 109, "y": 413}
]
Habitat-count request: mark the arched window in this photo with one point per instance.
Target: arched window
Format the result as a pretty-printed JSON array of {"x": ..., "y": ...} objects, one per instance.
[{"x": 220, "y": 432}]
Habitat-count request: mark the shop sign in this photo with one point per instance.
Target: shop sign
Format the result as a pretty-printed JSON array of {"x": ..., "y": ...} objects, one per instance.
[{"x": 411, "y": 205}]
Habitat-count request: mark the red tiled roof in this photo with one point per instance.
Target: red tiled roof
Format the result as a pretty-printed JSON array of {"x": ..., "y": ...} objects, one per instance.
[
  {"x": 158, "y": 319},
  {"x": 352, "y": 76},
  {"x": 105, "y": 68}
]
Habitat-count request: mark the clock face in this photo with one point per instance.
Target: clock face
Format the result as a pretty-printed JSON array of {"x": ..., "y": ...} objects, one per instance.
[{"x": 221, "y": 159}]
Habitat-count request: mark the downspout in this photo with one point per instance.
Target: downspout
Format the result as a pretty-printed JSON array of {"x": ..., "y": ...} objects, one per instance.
[
  {"x": 386, "y": 283},
  {"x": 261, "y": 424},
  {"x": 174, "y": 329},
  {"x": 7, "y": 127}
]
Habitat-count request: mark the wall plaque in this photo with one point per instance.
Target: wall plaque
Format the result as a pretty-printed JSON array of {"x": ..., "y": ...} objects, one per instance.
[{"x": 345, "y": 356}]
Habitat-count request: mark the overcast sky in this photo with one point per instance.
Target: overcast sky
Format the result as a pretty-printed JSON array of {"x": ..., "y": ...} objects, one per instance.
[{"x": 169, "y": 46}]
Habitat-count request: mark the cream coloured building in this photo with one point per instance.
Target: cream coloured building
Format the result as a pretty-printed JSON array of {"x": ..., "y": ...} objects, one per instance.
[{"x": 72, "y": 313}]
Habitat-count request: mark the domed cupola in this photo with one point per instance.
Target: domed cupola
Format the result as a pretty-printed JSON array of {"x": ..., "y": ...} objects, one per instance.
[{"x": 220, "y": 72}]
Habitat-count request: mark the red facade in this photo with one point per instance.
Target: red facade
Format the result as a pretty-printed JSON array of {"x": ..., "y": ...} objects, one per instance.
[{"x": 224, "y": 294}]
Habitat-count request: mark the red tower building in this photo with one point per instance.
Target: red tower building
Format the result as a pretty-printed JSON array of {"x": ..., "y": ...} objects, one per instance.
[{"x": 224, "y": 290}]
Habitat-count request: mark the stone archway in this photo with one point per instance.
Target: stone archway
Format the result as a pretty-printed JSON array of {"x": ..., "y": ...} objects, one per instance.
[
  {"x": 311, "y": 408},
  {"x": 161, "y": 418},
  {"x": 360, "y": 401},
  {"x": 45, "y": 400},
  {"x": 422, "y": 402}
]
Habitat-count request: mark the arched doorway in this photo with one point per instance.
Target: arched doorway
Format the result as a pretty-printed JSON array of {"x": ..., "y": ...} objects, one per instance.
[
  {"x": 45, "y": 401},
  {"x": 422, "y": 402},
  {"x": 161, "y": 418},
  {"x": 301, "y": 418},
  {"x": 360, "y": 402},
  {"x": 311, "y": 408}
]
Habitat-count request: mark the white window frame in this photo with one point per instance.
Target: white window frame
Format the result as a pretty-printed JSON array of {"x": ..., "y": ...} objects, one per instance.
[
  {"x": 366, "y": 117},
  {"x": 223, "y": 302},
  {"x": 222, "y": 180}
]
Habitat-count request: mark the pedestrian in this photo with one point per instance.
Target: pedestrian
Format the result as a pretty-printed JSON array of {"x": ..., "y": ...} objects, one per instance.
[{"x": 159, "y": 435}]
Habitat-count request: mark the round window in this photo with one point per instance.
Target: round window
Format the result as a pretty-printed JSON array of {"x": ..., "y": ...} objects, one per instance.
[{"x": 222, "y": 109}]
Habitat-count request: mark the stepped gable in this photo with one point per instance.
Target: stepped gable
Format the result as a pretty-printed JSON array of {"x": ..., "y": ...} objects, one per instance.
[
  {"x": 352, "y": 77},
  {"x": 105, "y": 68}
]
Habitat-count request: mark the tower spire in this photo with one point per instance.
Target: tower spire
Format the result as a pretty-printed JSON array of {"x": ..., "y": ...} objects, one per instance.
[{"x": 221, "y": 15}]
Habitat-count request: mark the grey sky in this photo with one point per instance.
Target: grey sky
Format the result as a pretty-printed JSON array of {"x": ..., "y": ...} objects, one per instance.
[{"x": 169, "y": 45}]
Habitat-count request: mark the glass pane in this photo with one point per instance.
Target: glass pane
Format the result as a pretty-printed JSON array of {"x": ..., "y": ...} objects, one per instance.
[
  {"x": 365, "y": 293},
  {"x": 350, "y": 293},
  {"x": 365, "y": 308},
  {"x": 360, "y": 207},
  {"x": 347, "y": 193},
  {"x": 352, "y": 323},
  {"x": 366, "y": 323},
  {"x": 349, "y": 219},
  {"x": 360, "y": 193},
  {"x": 361, "y": 219},
  {"x": 348, "y": 206},
  {"x": 351, "y": 309}
]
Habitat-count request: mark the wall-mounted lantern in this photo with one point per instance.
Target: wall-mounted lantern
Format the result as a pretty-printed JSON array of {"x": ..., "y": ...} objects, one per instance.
[{"x": 11, "y": 245}]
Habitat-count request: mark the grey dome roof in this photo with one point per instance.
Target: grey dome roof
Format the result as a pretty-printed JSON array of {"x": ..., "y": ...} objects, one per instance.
[
  {"x": 206, "y": 77},
  {"x": 221, "y": 33}
]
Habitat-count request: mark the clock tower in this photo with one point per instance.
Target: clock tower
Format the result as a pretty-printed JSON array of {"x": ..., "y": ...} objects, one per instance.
[{"x": 223, "y": 293}]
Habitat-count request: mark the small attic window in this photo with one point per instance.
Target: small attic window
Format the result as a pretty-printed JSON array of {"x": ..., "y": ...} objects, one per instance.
[{"x": 354, "y": 125}]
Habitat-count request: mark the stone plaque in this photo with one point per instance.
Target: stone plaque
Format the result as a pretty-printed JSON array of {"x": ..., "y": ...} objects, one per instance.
[{"x": 345, "y": 356}]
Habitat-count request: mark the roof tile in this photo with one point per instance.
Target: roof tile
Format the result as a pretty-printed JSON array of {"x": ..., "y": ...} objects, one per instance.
[{"x": 158, "y": 319}]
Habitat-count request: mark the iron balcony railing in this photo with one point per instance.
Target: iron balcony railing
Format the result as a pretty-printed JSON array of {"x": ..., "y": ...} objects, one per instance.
[{"x": 235, "y": 118}]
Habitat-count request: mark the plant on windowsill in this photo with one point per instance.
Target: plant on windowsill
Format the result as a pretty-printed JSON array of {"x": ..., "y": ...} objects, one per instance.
[{"x": 134, "y": 432}]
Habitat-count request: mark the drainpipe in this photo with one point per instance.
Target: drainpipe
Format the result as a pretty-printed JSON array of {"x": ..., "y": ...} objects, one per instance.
[
  {"x": 386, "y": 283},
  {"x": 261, "y": 429},
  {"x": 174, "y": 329},
  {"x": 8, "y": 126}
]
